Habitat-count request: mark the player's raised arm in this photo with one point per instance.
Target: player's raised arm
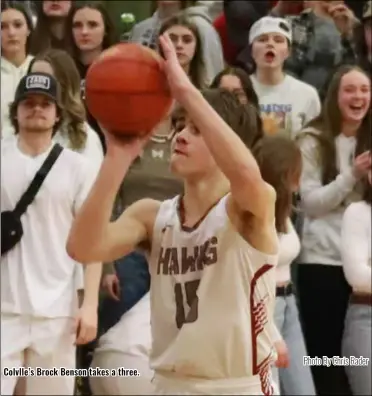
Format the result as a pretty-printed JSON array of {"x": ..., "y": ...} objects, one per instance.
[
  {"x": 248, "y": 189},
  {"x": 93, "y": 237}
]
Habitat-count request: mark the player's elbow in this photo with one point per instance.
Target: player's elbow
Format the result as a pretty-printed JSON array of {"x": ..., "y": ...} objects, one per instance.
[{"x": 79, "y": 252}]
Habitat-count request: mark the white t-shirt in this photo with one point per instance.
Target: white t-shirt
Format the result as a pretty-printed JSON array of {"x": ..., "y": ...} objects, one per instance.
[
  {"x": 356, "y": 246},
  {"x": 37, "y": 275},
  {"x": 288, "y": 106}
]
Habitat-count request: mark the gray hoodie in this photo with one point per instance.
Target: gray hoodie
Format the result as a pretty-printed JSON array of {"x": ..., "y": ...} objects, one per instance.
[{"x": 146, "y": 33}]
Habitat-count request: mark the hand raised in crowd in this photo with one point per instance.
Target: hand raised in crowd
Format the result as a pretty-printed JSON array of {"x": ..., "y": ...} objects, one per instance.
[
  {"x": 86, "y": 324},
  {"x": 343, "y": 18},
  {"x": 362, "y": 164},
  {"x": 111, "y": 285}
]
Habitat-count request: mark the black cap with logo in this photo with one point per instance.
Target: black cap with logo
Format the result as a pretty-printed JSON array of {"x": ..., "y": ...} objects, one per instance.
[{"x": 37, "y": 83}]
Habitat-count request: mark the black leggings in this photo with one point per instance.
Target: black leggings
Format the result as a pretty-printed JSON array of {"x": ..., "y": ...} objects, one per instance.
[{"x": 323, "y": 295}]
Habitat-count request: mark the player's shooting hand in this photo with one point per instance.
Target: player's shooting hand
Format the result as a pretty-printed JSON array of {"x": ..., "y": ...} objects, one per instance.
[
  {"x": 282, "y": 360},
  {"x": 86, "y": 324},
  {"x": 178, "y": 80},
  {"x": 125, "y": 146}
]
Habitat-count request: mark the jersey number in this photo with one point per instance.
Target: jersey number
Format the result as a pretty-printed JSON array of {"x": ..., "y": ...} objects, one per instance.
[{"x": 191, "y": 300}]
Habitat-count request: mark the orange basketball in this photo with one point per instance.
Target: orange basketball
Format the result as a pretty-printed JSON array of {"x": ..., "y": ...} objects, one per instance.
[{"x": 126, "y": 89}]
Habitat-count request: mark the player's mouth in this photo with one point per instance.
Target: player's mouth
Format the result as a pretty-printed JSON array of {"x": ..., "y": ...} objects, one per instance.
[{"x": 179, "y": 152}]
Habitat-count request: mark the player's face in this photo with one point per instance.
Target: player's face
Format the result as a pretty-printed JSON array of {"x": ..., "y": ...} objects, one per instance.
[
  {"x": 184, "y": 42},
  {"x": 354, "y": 96},
  {"x": 269, "y": 51},
  {"x": 191, "y": 157},
  {"x": 88, "y": 29},
  {"x": 37, "y": 113},
  {"x": 234, "y": 85},
  {"x": 14, "y": 31},
  {"x": 56, "y": 8}
]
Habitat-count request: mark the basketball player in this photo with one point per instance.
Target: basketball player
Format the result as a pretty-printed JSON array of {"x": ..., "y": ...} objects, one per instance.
[{"x": 212, "y": 291}]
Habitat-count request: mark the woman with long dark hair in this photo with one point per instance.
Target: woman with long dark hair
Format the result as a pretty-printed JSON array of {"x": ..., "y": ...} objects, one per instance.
[
  {"x": 50, "y": 25},
  {"x": 16, "y": 35},
  {"x": 333, "y": 165},
  {"x": 89, "y": 31},
  {"x": 147, "y": 31},
  {"x": 186, "y": 39}
]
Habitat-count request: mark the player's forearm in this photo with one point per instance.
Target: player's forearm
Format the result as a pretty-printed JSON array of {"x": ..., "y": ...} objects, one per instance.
[
  {"x": 91, "y": 223},
  {"x": 231, "y": 155},
  {"x": 92, "y": 282}
]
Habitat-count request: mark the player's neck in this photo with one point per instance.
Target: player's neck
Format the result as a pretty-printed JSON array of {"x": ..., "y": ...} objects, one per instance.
[
  {"x": 88, "y": 57},
  {"x": 34, "y": 144},
  {"x": 201, "y": 195},
  {"x": 270, "y": 76}
]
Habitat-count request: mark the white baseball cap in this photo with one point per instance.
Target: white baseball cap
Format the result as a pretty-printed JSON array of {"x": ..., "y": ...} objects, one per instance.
[{"x": 268, "y": 25}]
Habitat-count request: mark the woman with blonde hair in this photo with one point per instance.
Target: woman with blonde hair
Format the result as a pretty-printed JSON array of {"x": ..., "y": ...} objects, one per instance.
[{"x": 75, "y": 133}]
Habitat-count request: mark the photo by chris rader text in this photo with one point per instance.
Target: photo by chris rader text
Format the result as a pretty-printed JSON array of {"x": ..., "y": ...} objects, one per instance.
[{"x": 66, "y": 372}]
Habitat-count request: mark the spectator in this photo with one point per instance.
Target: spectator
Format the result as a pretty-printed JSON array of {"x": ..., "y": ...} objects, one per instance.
[
  {"x": 322, "y": 40},
  {"x": 75, "y": 133},
  {"x": 329, "y": 182},
  {"x": 89, "y": 31},
  {"x": 356, "y": 255},
  {"x": 147, "y": 31},
  {"x": 363, "y": 39},
  {"x": 186, "y": 39},
  {"x": 150, "y": 176},
  {"x": 287, "y": 103},
  {"x": 50, "y": 25},
  {"x": 280, "y": 163},
  {"x": 16, "y": 35},
  {"x": 236, "y": 80},
  {"x": 39, "y": 305}
]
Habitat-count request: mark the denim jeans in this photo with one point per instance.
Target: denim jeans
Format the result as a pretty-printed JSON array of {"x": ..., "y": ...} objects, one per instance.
[
  {"x": 297, "y": 378},
  {"x": 357, "y": 342},
  {"x": 134, "y": 278}
]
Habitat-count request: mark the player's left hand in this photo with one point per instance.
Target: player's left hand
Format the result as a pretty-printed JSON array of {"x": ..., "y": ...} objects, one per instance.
[
  {"x": 282, "y": 360},
  {"x": 343, "y": 18},
  {"x": 86, "y": 324},
  {"x": 178, "y": 80}
]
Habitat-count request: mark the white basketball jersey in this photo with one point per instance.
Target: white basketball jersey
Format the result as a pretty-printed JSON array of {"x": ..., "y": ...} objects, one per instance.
[{"x": 212, "y": 300}]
